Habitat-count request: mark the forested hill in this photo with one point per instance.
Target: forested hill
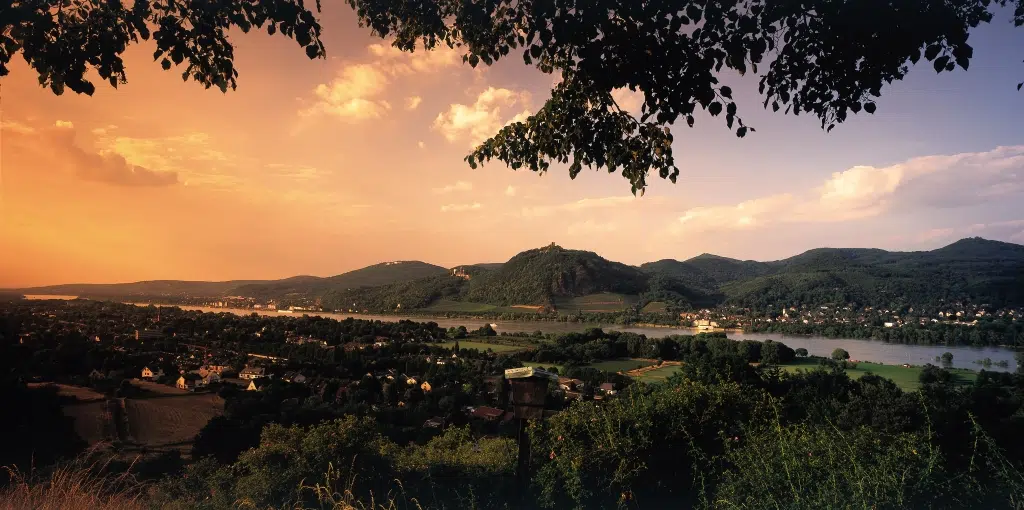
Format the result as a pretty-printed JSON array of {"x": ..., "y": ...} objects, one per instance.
[
  {"x": 708, "y": 272},
  {"x": 970, "y": 270},
  {"x": 371, "y": 276},
  {"x": 538, "y": 277},
  {"x": 541, "y": 275},
  {"x": 376, "y": 275}
]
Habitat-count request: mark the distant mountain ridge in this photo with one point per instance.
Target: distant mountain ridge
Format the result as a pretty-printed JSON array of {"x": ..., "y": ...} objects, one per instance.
[{"x": 973, "y": 269}]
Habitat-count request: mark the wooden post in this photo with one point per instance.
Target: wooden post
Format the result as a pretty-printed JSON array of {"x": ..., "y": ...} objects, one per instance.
[{"x": 523, "y": 466}]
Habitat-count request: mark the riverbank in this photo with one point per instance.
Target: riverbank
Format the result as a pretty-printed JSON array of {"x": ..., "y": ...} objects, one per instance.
[{"x": 859, "y": 348}]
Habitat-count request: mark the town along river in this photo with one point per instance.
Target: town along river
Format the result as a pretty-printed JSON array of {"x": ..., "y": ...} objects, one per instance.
[{"x": 859, "y": 349}]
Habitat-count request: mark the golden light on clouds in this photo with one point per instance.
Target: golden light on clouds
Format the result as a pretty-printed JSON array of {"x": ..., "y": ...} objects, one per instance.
[
  {"x": 319, "y": 167},
  {"x": 493, "y": 109}
]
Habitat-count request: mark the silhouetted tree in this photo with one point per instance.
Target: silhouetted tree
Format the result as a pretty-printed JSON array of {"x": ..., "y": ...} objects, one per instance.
[{"x": 819, "y": 57}]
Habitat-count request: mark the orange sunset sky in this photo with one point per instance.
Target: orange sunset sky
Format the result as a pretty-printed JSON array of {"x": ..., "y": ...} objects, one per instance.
[{"x": 320, "y": 167}]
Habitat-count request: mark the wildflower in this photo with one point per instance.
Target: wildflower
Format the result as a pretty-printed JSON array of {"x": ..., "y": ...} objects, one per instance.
[
  {"x": 552, "y": 456},
  {"x": 559, "y": 438}
]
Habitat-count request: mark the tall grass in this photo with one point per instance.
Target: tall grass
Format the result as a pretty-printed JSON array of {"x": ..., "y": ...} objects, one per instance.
[
  {"x": 85, "y": 483},
  {"x": 329, "y": 498}
]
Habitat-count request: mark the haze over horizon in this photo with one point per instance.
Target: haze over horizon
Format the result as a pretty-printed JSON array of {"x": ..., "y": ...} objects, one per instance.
[{"x": 322, "y": 167}]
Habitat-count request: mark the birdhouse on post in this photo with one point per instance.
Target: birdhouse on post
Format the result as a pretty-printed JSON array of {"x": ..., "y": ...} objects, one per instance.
[{"x": 529, "y": 391}]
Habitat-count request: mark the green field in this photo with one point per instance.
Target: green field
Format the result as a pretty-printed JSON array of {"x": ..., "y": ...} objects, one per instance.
[
  {"x": 620, "y": 365},
  {"x": 655, "y": 307},
  {"x": 602, "y": 302},
  {"x": 904, "y": 377},
  {"x": 659, "y": 374},
  {"x": 446, "y": 305},
  {"x": 537, "y": 364},
  {"x": 483, "y": 346}
]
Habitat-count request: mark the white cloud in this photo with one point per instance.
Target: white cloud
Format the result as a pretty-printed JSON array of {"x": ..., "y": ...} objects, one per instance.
[
  {"x": 628, "y": 100},
  {"x": 295, "y": 172},
  {"x": 491, "y": 111},
  {"x": 16, "y": 127},
  {"x": 64, "y": 124},
  {"x": 104, "y": 130},
  {"x": 460, "y": 207},
  {"x": 353, "y": 94},
  {"x": 864, "y": 192},
  {"x": 421, "y": 145},
  {"x": 458, "y": 186},
  {"x": 357, "y": 92},
  {"x": 579, "y": 205},
  {"x": 192, "y": 155},
  {"x": 397, "y": 62},
  {"x": 510, "y": 191},
  {"x": 86, "y": 163}
]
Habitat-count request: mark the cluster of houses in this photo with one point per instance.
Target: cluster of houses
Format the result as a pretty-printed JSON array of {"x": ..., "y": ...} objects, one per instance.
[{"x": 957, "y": 314}]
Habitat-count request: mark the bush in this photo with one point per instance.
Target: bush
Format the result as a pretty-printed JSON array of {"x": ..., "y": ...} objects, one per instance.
[
  {"x": 655, "y": 445},
  {"x": 810, "y": 467}
]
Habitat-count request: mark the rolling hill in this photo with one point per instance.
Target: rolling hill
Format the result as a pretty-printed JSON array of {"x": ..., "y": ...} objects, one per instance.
[
  {"x": 975, "y": 270},
  {"x": 707, "y": 272},
  {"x": 371, "y": 276},
  {"x": 376, "y": 275},
  {"x": 538, "y": 277}
]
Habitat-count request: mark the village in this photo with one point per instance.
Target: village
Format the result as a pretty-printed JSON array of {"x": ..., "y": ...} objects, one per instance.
[{"x": 955, "y": 314}]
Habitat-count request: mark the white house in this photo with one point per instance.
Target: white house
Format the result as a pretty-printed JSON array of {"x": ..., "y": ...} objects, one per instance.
[
  {"x": 189, "y": 382},
  {"x": 149, "y": 374},
  {"x": 251, "y": 373}
]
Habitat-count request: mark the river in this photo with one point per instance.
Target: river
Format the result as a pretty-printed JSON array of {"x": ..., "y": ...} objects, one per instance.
[{"x": 859, "y": 349}]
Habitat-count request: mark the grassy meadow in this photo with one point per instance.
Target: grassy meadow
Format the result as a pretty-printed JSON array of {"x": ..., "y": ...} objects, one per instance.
[
  {"x": 601, "y": 302},
  {"x": 655, "y": 307},
  {"x": 446, "y": 305},
  {"x": 904, "y": 377},
  {"x": 658, "y": 374},
  {"x": 620, "y": 365},
  {"x": 483, "y": 346}
]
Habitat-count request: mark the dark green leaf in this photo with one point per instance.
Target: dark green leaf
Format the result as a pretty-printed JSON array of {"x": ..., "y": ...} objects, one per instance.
[
  {"x": 869, "y": 107},
  {"x": 940, "y": 63},
  {"x": 726, "y": 92},
  {"x": 715, "y": 108}
]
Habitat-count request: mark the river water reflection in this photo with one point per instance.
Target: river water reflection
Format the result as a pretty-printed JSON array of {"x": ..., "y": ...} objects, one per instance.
[{"x": 859, "y": 349}]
